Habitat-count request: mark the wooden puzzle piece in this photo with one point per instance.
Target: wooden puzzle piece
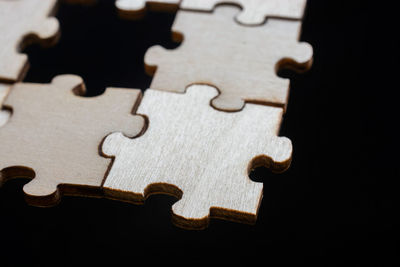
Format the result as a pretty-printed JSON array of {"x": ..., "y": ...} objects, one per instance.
[
  {"x": 23, "y": 22},
  {"x": 254, "y": 12},
  {"x": 136, "y": 8},
  {"x": 240, "y": 61},
  {"x": 53, "y": 136},
  {"x": 198, "y": 154},
  {"x": 4, "y": 114}
]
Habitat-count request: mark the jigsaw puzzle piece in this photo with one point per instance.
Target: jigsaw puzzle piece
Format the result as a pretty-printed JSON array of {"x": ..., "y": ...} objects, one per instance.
[
  {"x": 21, "y": 23},
  {"x": 241, "y": 62},
  {"x": 53, "y": 136},
  {"x": 135, "y": 9},
  {"x": 254, "y": 12},
  {"x": 199, "y": 155}
]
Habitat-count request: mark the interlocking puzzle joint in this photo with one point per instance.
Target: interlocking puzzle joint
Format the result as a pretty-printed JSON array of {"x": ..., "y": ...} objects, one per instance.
[
  {"x": 254, "y": 12},
  {"x": 53, "y": 136},
  {"x": 242, "y": 62}
]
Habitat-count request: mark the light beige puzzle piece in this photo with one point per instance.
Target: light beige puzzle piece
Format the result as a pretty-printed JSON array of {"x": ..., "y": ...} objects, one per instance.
[
  {"x": 53, "y": 136},
  {"x": 4, "y": 114},
  {"x": 198, "y": 154},
  {"x": 23, "y": 22},
  {"x": 240, "y": 61},
  {"x": 254, "y": 12},
  {"x": 136, "y": 8}
]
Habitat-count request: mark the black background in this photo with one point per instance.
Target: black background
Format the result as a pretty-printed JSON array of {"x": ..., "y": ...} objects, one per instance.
[{"x": 338, "y": 201}]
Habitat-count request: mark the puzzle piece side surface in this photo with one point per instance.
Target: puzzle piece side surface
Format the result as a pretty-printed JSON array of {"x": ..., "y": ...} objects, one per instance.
[
  {"x": 198, "y": 154},
  {"x": 23, "y": 22},
  {"x": 54, "y": 135},
  {"x": 135, "y": 9},
  {"x": 240, "y": 61},
  {"x": 254, "y": 11}
]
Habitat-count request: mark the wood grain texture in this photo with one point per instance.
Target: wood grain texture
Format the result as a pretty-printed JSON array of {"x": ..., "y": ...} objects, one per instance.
[
  {"x": 21, "y": 23},
  {"x": 54, "y": 134},
  {"x": 4, "y": 113},
  {"x": 198, "y": 154},
  {"x": 135, "y": 9},
  {"x": 254, "y": 12},
  {"x": 240, "y": 61}
]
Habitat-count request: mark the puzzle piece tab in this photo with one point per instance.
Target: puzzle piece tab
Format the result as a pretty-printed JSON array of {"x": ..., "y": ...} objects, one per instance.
[
  {"x": 53, "y": 136},
  {"x": 254, "y": 11},
  {"x": 136, "y": 8},
  {"x": 23, "y": 22},
  {"x": 198, "y": 154},
  {"x": 240, "y": 61}
]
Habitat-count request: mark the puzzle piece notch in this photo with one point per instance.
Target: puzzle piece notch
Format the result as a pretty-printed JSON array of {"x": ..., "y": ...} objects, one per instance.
[
  {"x": 242, "y": 63},
  {"x": 53, "y": 136},
  {"x": 23, "y": 22},
  {"x": 135, "y": 9},
  {"x": 254, "y": 12},
  {"x": 199, "y": 155}
]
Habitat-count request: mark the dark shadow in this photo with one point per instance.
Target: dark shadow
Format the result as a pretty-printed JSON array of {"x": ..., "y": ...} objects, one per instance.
[
  {"x": 337, "y": 202},
  {"x": 104, "y": 49}
]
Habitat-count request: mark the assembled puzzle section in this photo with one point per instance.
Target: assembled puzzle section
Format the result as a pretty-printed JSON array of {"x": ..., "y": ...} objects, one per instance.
[
  {"x": 23, "y": 22},
  {"x": 193, "y": 135},
  {"x": 241, "y": 62},
  {"x": 254, "y": 12},
  {"x": 53, "y": 136},
  {"x": 198, "y": 154}
]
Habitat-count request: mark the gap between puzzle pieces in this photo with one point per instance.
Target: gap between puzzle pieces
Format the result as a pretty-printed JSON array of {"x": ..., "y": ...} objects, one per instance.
[{"x": 4, "y": 113}]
